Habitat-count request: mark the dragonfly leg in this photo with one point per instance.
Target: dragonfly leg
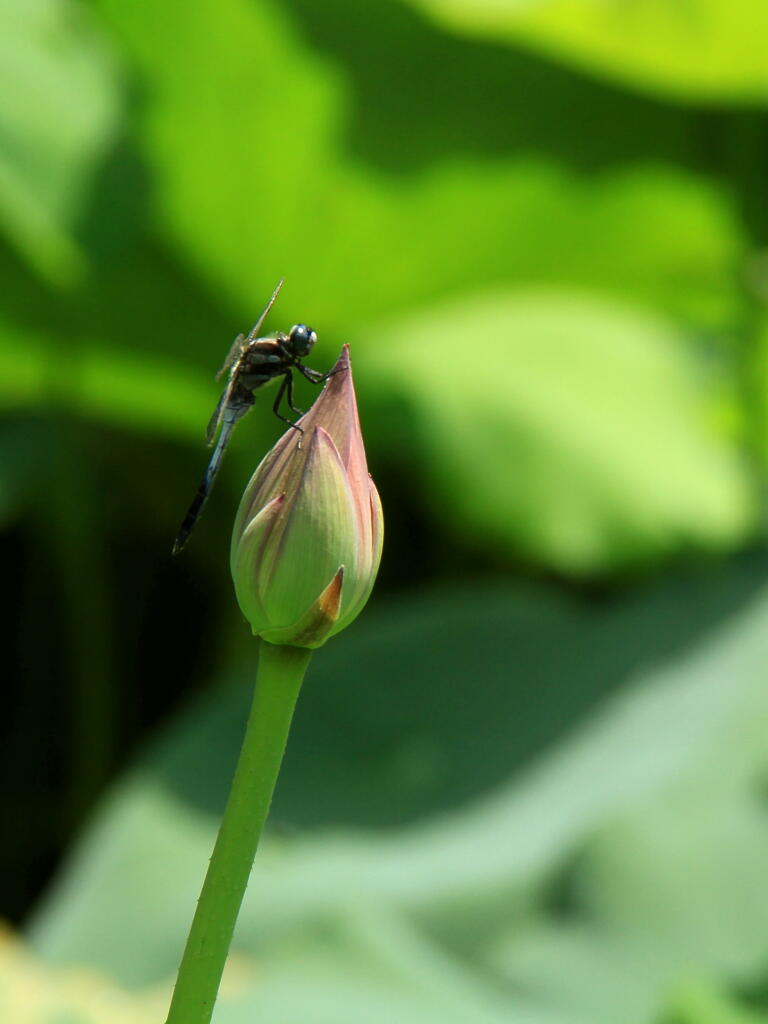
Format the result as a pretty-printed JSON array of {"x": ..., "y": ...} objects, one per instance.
[
  {"x": 289, "y": 389},
  {"x": 286, "y": 384},
  {"x": 314, "y": 375}
]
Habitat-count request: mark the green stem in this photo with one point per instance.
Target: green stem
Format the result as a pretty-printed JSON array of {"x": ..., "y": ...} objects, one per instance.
[{"x": 280, "y": 674}]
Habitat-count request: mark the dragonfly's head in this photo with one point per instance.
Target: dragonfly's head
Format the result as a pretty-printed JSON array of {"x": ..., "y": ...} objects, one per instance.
[{"x": 302, "y": 338}]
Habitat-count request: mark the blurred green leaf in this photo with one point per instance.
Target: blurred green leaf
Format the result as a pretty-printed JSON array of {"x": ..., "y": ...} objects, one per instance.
[
  {"x": 129, "y": 389},
  {"x": 466, "y": 878},
  {"x": 660, "y": 879},
  {"x": 564, "y": 427},
  {"x": 703, "y": 1003},
  {"x": 33, "y": 993},
  {"x": 356, "y": 237},
  {"x": 666, "y": 892},
  {"x": 362, "y": 967},
  {"x": 24, "y": 466},
  {"x": 59, "y": 108},
  {"x": 758, "y": 386},
  {"x": 700, "y": 50}
]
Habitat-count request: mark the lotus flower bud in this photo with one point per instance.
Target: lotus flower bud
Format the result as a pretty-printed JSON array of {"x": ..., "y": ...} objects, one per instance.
[{"x": 307, "y": 540}]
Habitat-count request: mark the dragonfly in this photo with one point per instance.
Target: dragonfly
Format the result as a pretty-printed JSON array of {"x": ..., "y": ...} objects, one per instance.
[{"x": 252, "y": 362}]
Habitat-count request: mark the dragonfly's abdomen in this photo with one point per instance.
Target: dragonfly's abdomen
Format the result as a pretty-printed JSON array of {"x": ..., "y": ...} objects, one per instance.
[{"x": 252, "y": 381}]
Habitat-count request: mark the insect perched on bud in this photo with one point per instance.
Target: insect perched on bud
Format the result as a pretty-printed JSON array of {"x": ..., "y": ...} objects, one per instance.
[
  {"x": 252, "y": 362},
  {"x": 307, "y": 540}
]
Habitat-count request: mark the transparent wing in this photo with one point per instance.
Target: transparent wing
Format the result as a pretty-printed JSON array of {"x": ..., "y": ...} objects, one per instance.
[
  {"x": 215, "y": 420},
  {"x": 234, "y": 353},
  {"x": 220, "y": 411},
  {"x": 254, "y": 331}
]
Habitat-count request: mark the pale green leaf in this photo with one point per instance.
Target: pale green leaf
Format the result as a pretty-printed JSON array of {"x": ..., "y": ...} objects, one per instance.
[
  {"x": 128, "y": 389},
  {"x": 473, "y": 869},
  {"x": 59, "y": 107},
  {"x": 257, "y": 172},
  {"x": 700, "y": 50},
  {"x": 562, "y": 426},
  {"x": 667, "y": 892},
  {"x": 702, "y": 1002}
]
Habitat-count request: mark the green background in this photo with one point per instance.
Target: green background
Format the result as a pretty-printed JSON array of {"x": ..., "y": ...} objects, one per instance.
[{"x": 529, "y": 784}]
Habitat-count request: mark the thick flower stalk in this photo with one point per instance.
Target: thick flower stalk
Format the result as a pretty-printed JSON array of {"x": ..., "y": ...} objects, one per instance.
[
  {"x": 305, "y": 551},
  {"x": 307, "y": 539}
]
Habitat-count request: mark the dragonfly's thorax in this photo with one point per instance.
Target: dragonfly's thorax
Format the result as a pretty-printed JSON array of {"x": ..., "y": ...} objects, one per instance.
[
  {"x": 268, "y": 352},
  {"x": 262, "y": 361}
]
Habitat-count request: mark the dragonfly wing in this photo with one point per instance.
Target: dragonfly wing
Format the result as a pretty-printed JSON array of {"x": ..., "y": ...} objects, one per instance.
[
  {"x": 254, "y": 331},
  {"x": 220, "y": 410},
  {"x": 214, "y": 421},
  {"x": 238, "y": 345},
  {"x": 234, "y": 353}
]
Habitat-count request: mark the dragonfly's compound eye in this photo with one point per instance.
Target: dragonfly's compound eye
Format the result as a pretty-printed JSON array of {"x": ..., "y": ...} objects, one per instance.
[{"x": 302, "y": 339}]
